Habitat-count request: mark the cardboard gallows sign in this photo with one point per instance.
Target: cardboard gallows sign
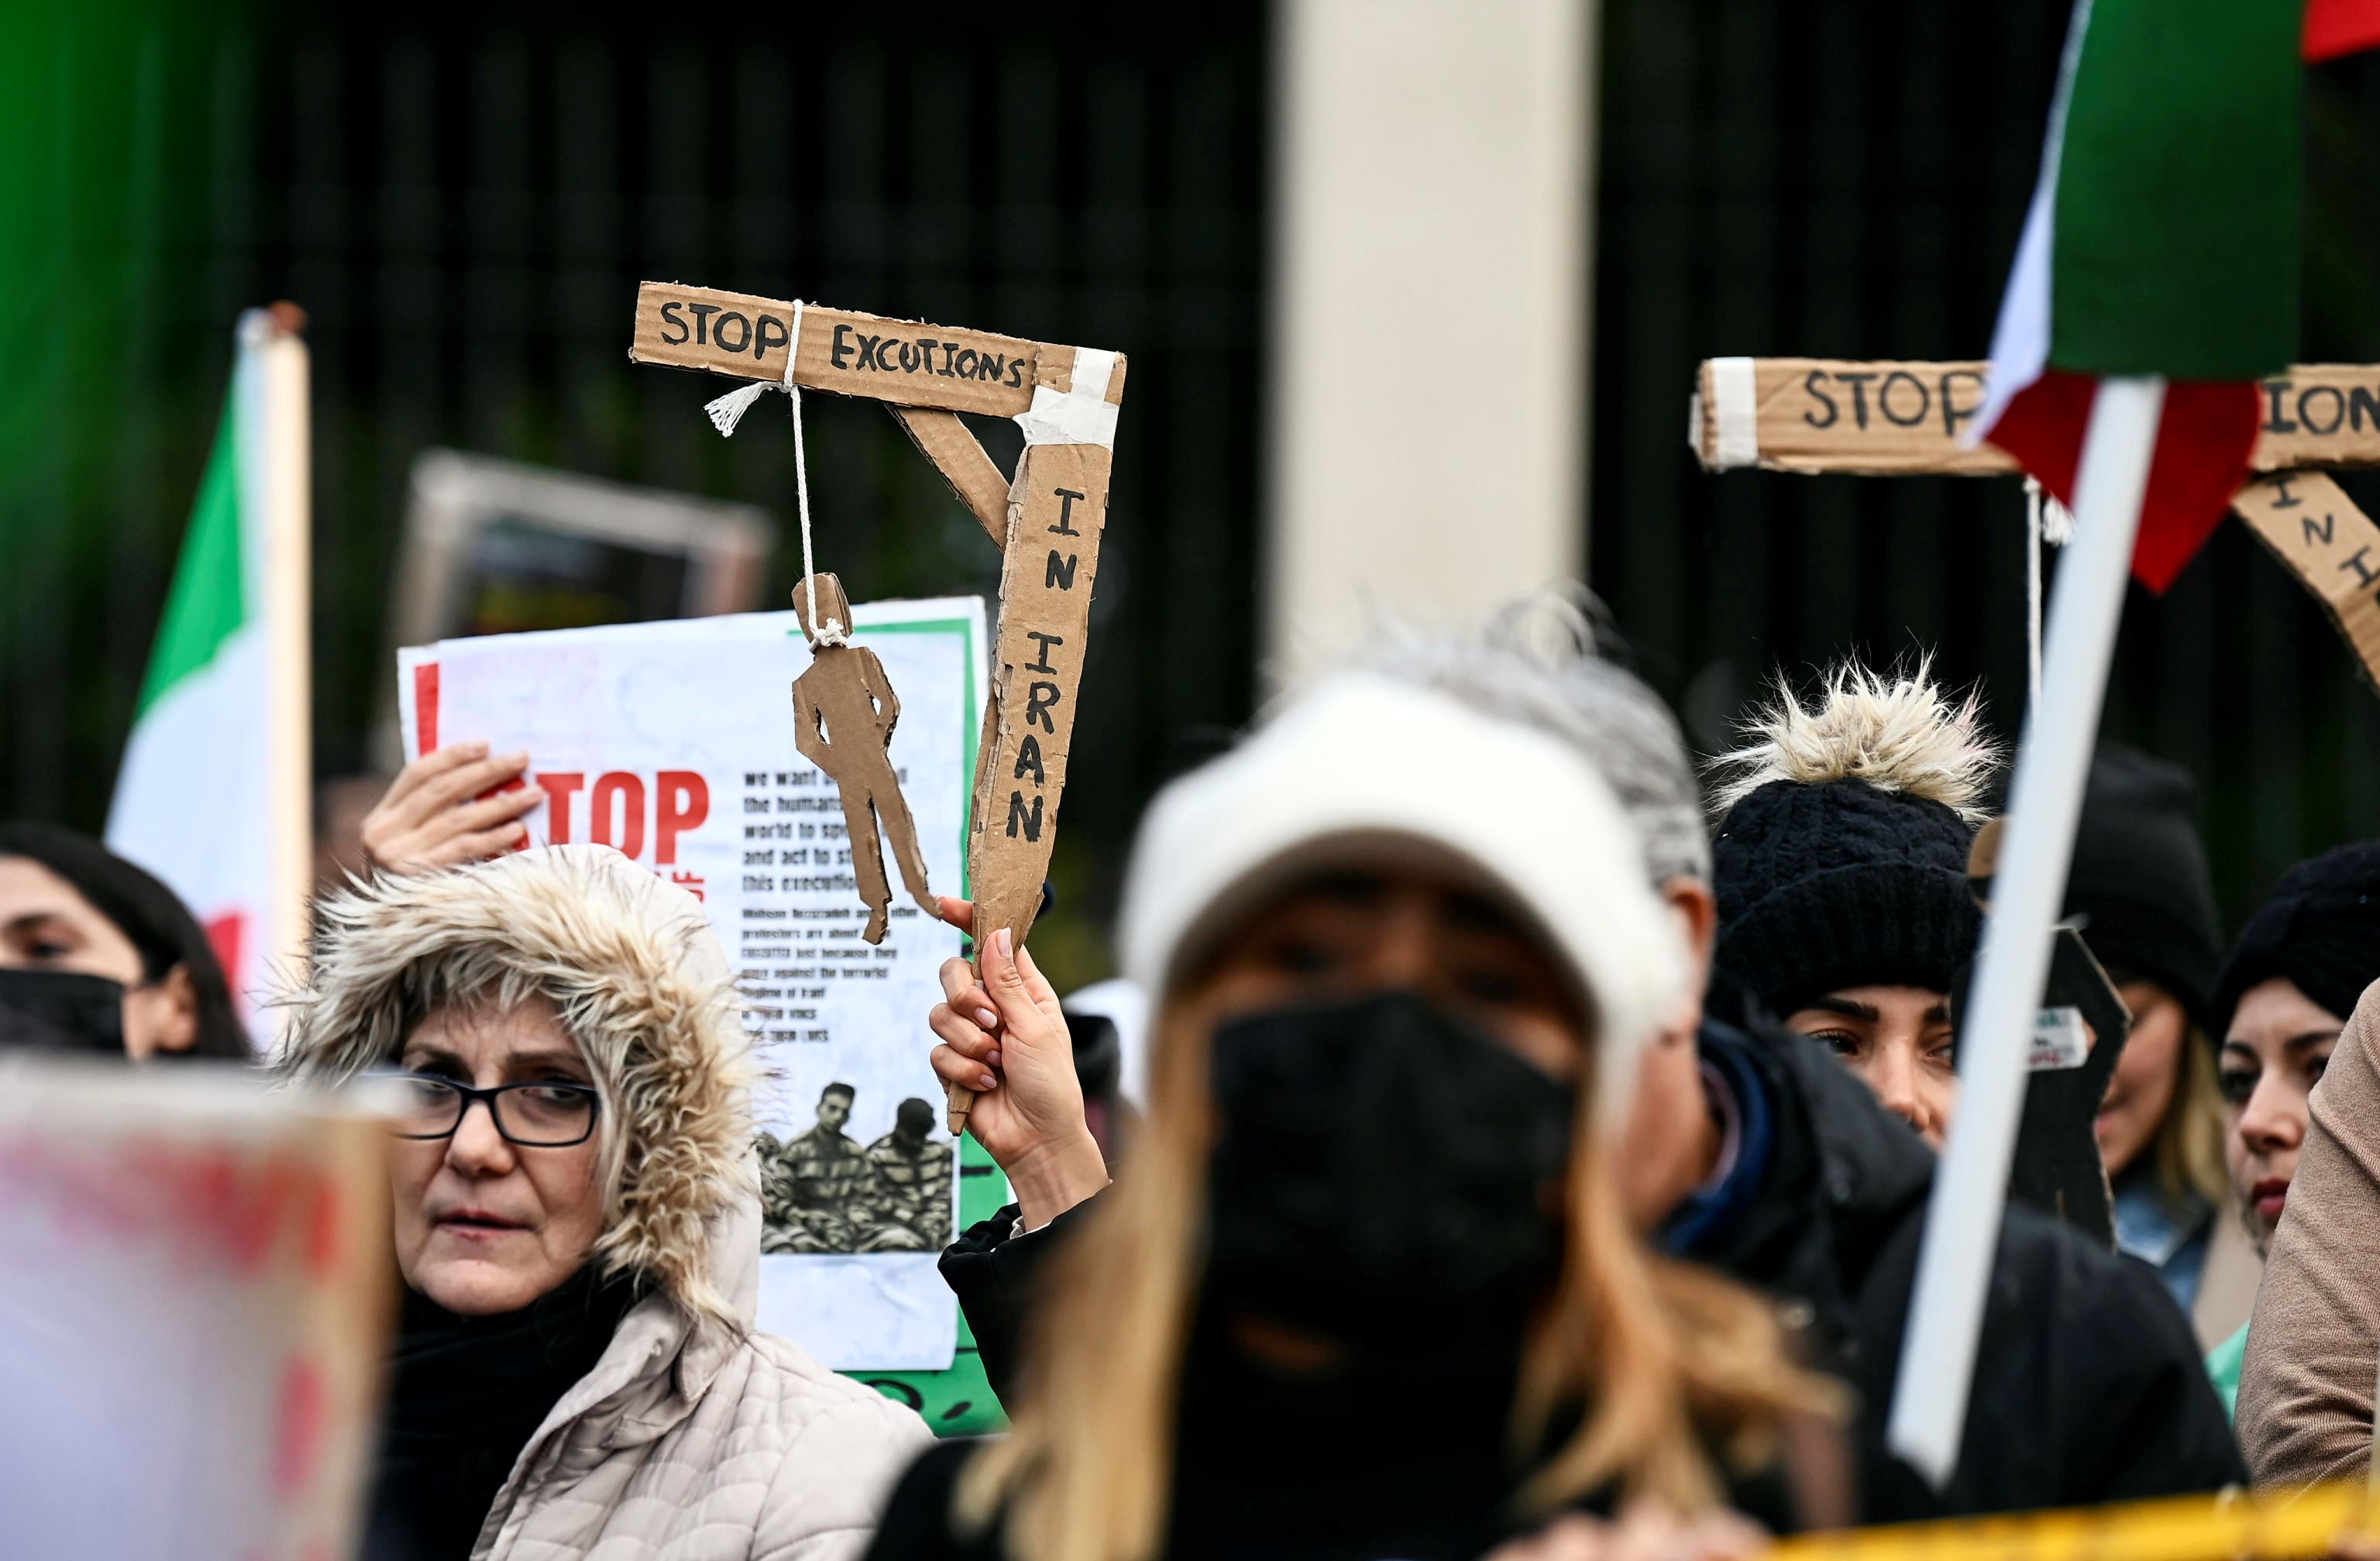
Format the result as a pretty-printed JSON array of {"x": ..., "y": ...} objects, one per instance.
[
  {"x": 1045, "y": 519},
  {"x": 1873, "y": 419}
]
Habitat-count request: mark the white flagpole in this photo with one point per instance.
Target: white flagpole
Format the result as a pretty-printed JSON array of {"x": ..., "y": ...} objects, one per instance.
[
  {"x": 281, "y": 481},
  {"x": 1963, "y": 1216}
]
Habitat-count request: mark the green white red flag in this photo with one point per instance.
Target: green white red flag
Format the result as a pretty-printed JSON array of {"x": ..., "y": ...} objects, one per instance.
[
  {"x": 213, "y": 792},
  {"x": 2161, "y": 240}
]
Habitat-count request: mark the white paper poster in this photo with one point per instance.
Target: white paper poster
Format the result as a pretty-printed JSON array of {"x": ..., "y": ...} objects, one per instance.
[{"x": 673, "y": 742}]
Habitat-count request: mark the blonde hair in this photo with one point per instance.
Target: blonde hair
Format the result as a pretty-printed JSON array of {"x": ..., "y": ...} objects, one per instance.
[
  {"x": 1668, "y": 1360},
  {"x": 2187, "y": 1151},
  {"x": 1896, "y": 731}
]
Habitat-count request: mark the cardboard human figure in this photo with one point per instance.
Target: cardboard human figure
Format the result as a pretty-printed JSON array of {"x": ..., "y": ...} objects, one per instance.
[
  {"x": 844, "y": 710},
  {"x": 2057, "y": 1168}
]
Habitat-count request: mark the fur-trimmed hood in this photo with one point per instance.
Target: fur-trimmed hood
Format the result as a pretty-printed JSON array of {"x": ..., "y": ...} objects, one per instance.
[{"x": 642, "y": 985}]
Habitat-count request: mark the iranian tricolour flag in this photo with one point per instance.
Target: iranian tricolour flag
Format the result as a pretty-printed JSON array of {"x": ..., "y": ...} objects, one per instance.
[
  {"x": 2162, "y": 240},
  {"x": 212, "y": 795}
]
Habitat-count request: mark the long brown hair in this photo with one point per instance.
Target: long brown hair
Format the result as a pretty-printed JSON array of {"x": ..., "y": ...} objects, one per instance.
[{"x": 1666, "y": 1361}]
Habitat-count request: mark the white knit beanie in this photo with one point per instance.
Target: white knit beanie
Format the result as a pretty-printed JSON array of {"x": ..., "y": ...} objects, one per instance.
[{"x": 1370, "y": 771}]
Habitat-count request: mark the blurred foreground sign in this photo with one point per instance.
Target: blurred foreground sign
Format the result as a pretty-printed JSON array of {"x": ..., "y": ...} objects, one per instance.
[
  {"x": 193, "y": 1312},
  {"x": 673, "y": 742}
]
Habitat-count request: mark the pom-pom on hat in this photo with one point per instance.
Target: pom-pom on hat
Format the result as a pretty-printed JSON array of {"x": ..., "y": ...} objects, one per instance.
[{"x": 1841, "y": 856}]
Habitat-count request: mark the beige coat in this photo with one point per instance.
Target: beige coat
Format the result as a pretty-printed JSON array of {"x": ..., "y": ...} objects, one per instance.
[
  {"x": 694, "y": 1438},
  {"x": 687, "y": 1444},
  {"x": 2305, "y": 1389}
]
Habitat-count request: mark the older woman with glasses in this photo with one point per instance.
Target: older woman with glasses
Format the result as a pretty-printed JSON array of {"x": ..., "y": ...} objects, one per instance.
[{"x": 577, "y": 1224}]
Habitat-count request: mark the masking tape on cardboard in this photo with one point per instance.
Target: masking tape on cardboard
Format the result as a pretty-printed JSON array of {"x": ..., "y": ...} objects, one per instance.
[
  {"x": 1080, "y": 414},
  {"x": 1735, "y": 412}
]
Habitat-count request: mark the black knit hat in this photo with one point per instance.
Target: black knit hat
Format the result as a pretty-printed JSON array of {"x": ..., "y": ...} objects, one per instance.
[
  {"x": 2139, "y": 881},
  {"x": 1842, "y": 859},
  {"x": 2321, "y": 929},
  {"x": 1842, "y": 884}
]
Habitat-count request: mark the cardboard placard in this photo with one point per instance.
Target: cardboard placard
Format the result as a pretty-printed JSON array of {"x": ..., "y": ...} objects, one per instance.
[
  {"x": 1899, "y": 419},
  {"x": 2057, "y": 1166},
  {"x": 676, "y": 744},
  {"x": 1048, "y": 523},
  {"x": 2058, "y": 1169},
  {"x": 1824, "y": 415},
  {"x": 2319, "y": 415},
  {"x": 198, "y": 1294},
  {"x": 2308, "y": 521},
  {"x": 906, "y": 362},
  {"x": 1052, "y": 556}
]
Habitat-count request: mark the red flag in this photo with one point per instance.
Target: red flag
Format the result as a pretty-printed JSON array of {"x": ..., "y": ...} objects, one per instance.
[
  {"x": 2339, "y": 27},
  {"x": 2201, "y": 459}
]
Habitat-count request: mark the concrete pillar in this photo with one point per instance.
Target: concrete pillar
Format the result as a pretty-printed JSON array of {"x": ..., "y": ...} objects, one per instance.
[{"x": 1429, "y": 332}]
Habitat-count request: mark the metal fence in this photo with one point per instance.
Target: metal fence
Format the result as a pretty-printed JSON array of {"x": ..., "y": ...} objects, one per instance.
[
  {"x": 466, "y": 215},
  {"x": 1833, "y": 178}
]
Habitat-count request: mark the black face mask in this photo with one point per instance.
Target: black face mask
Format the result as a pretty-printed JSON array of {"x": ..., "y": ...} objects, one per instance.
[
  {"x": 1380, "y": 1167},
  {"x": 59, "y": 1011}
]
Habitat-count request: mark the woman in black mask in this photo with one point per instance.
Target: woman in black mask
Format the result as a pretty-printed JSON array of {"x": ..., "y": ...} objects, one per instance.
[
  {"x": 96, "y": 955},
  {"x": 1367, "y": 1289}
]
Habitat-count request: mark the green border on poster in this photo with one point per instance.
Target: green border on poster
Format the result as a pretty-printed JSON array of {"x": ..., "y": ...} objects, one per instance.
[{"x": 957, "y": 1400}]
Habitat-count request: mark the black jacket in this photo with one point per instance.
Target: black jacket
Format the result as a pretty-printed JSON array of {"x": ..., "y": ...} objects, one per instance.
[
  {"x": 1272, "y": 1496},
  {"x": 1411, "y": 1466},
  {"x": 1410, "y": 1461},
  {"x": 1217, "y": 1517},
  {"x": 2088, "y": 1386},
  {"x": 992, "y": 1271}
]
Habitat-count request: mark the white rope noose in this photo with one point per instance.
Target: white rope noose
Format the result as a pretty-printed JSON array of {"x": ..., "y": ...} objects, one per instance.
[
  {"x": 2045, "y": 520},
  {"x": 727, "y": 411}
]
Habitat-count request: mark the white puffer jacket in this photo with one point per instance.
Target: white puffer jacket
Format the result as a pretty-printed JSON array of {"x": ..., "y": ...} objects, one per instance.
[
  {"x": 685, "y": 1444},
  {"x": 694, "y": 1438}
]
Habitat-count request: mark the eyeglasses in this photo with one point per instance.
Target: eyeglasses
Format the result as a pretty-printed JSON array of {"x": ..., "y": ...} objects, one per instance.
[{"x": 537, "y": 1116}]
